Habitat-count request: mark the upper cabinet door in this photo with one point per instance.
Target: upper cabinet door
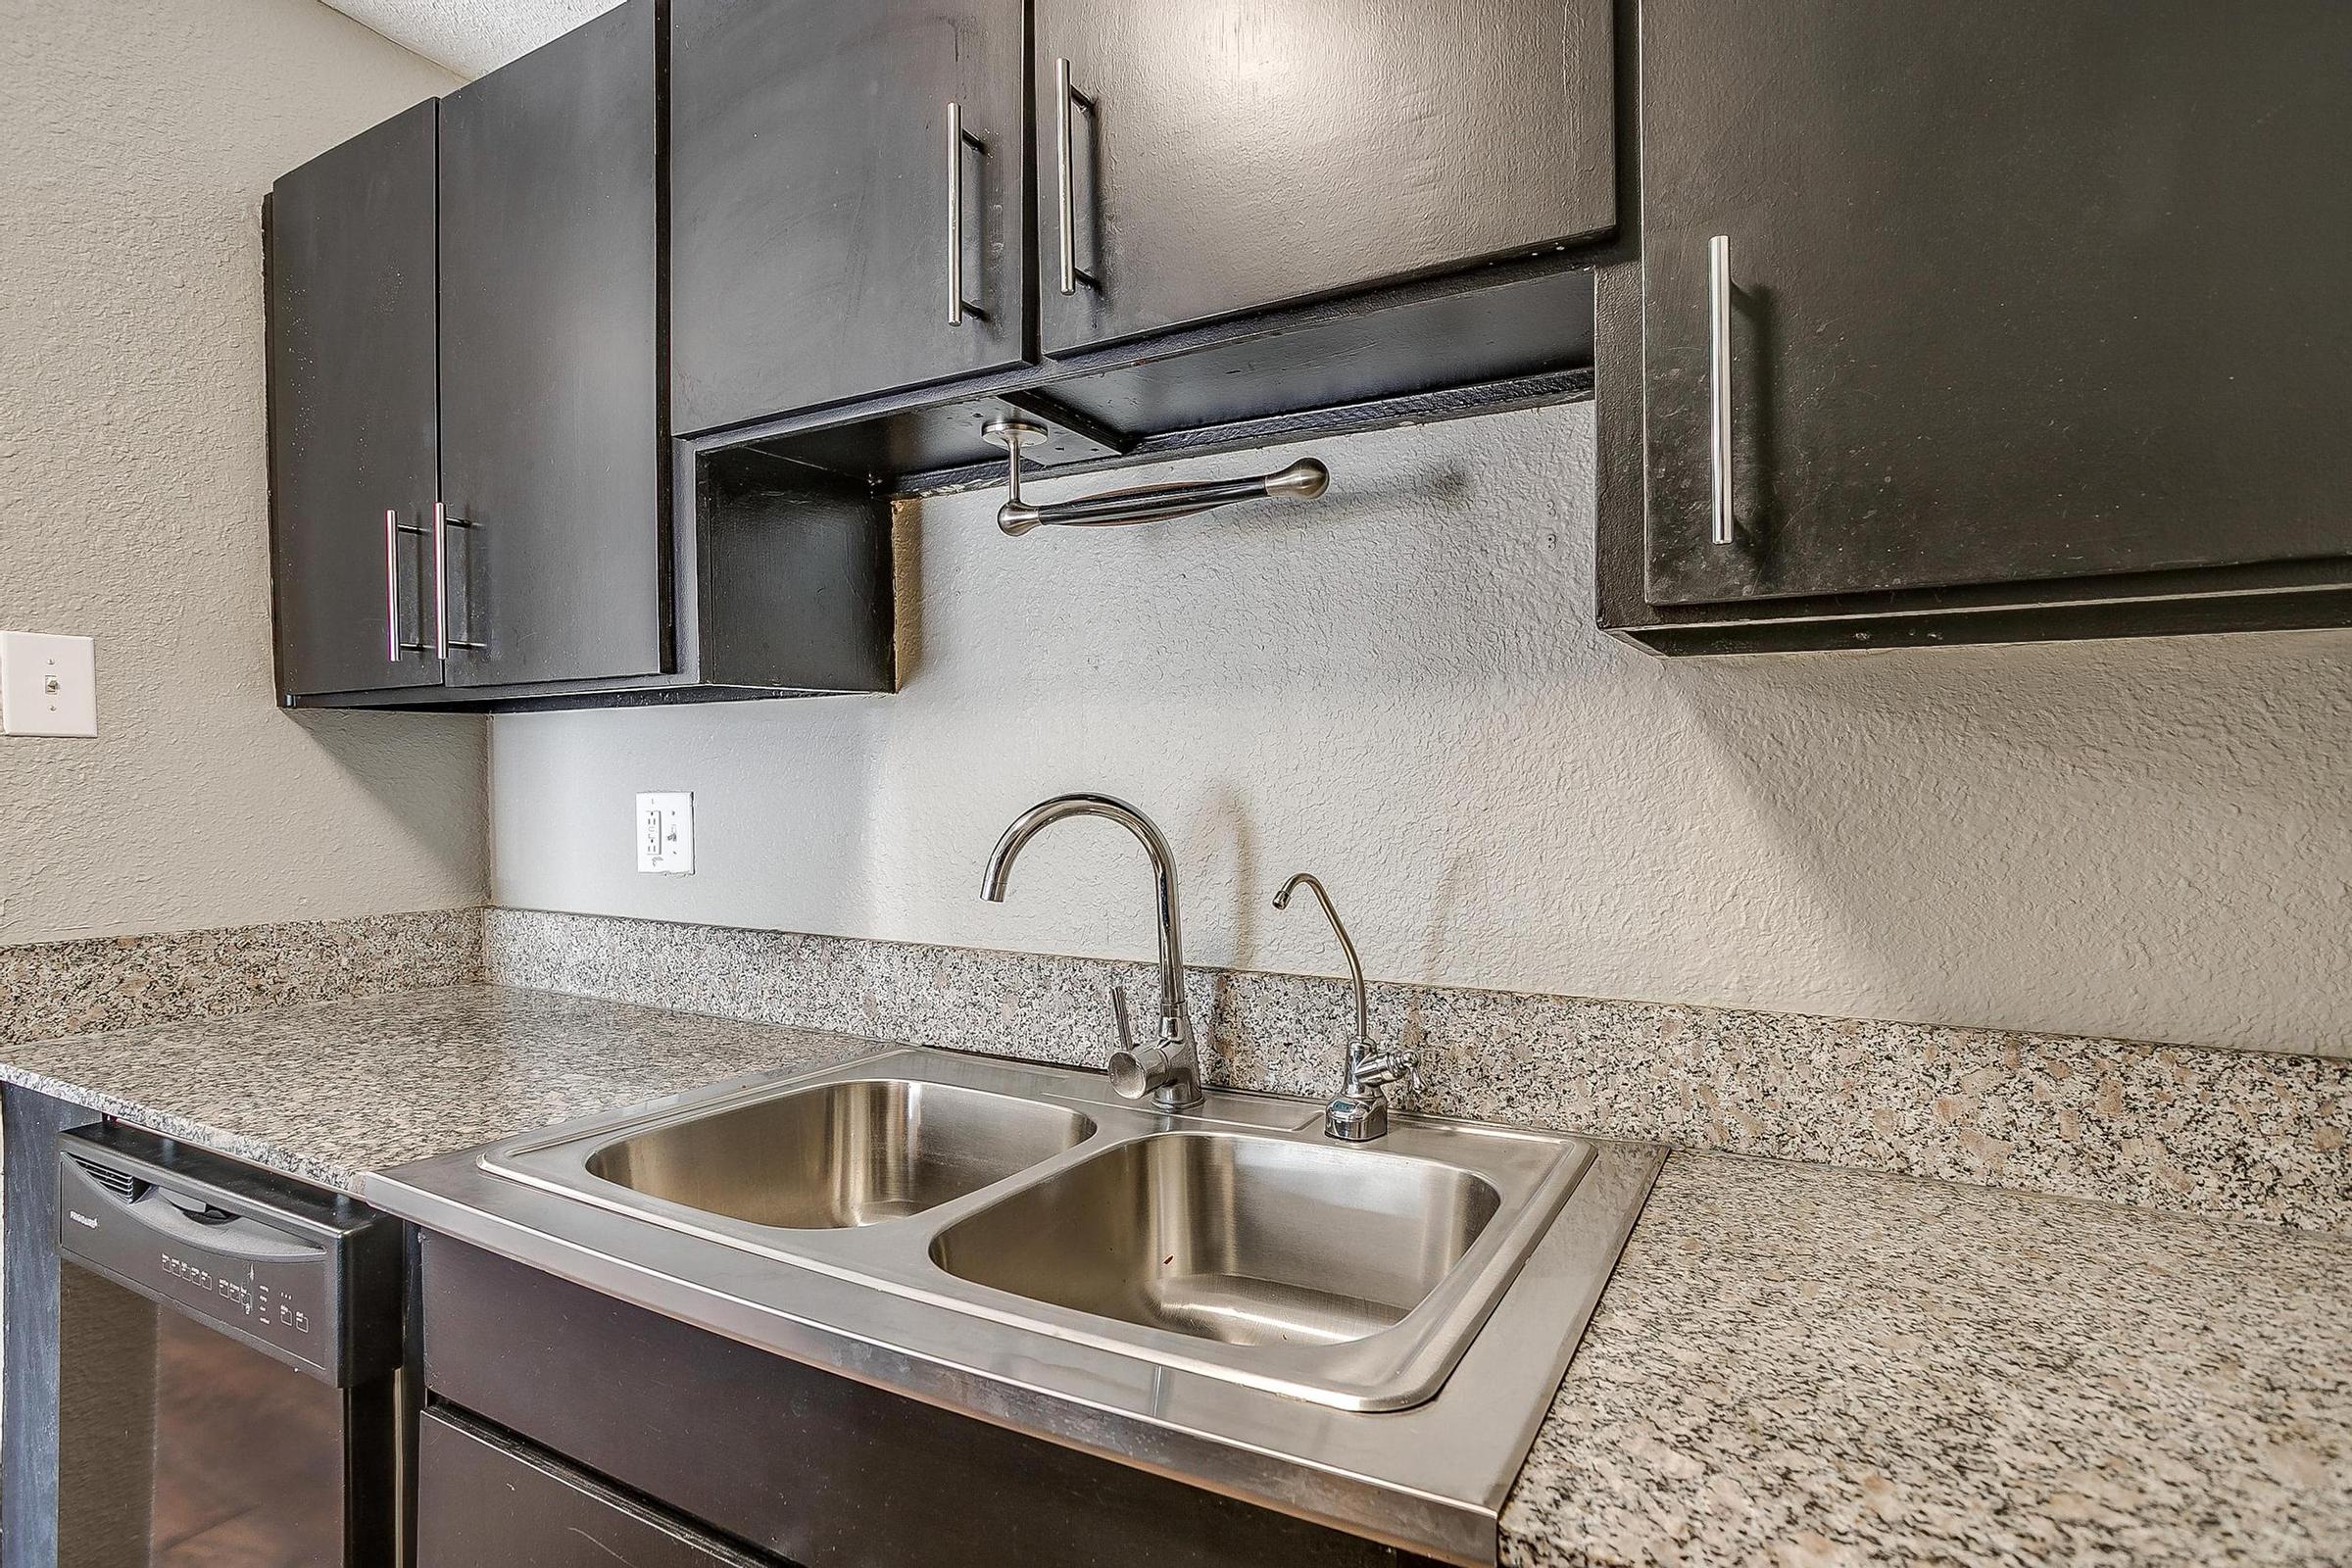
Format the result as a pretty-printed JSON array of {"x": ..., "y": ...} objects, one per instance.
[
  {"x": 2012, "y": 291},
  {"x": 1223, "y": 156},
  {"x": 849, "y": 179},
  {"x": 352, "y": 425},
  {"x": 552, "y": 460}
]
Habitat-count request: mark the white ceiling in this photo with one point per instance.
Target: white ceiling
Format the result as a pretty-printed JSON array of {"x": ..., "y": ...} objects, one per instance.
[{"x": 471, "y": 36}]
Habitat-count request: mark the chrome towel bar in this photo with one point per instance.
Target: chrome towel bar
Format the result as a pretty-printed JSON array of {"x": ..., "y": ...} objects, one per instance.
[{"x": 1305, "y": 479}]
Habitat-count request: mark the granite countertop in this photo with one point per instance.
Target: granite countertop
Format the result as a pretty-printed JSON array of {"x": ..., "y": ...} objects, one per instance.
[
  {"x": 334, "y": 1090},
  {"x": 1799, "y": 1366},
  {"x": 1792, "y": 1365}
]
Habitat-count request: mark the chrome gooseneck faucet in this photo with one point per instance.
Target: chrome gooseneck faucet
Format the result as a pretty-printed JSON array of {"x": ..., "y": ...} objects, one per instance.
[
  {"x": 1361, "y": 1112},
  {"x": 1168, "y": 1069}
]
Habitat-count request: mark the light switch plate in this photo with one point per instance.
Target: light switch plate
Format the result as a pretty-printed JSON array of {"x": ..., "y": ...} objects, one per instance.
[
  {"x": 48, "y": 685},
  {"x": 665, "y": 834}
]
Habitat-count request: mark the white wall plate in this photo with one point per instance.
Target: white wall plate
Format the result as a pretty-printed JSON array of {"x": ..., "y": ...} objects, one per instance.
[
  {"x": 665, "y": 834},
  {"x": 48, "y": 685}
]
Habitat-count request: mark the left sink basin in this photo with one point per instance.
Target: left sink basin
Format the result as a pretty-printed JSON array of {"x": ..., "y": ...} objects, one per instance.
[{"x": 841, "y": 1155}]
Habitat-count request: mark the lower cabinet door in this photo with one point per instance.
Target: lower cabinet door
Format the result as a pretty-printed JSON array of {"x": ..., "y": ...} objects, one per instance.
[{"x": 484, "y": 1501}]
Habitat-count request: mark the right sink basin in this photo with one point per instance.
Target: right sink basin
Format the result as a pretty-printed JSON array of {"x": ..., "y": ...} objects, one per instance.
[{"x": 1242, "y": 1240}]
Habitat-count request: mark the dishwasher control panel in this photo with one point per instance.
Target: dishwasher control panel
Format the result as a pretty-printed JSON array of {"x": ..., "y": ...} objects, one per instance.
[{"x": 306, "y": 1276}]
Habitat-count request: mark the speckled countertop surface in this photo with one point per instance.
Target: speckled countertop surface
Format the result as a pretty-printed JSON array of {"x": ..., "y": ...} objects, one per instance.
[
  {"x": 1800, "y": 1367},
  {"x": 1793, "y": 1365},
  {"x": 334, "y": 1090}
]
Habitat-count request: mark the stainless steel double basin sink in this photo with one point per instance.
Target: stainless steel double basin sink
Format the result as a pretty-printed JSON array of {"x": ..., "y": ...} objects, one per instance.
[
  {"x": 1234, "y": 1241},
  {"x": 1363, "y": 1334}
]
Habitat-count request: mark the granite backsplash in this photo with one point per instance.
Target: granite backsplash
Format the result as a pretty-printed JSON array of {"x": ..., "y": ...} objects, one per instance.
[
  {"x": 2234, "y": 1135},
  {"x": 53, "y": 989}
]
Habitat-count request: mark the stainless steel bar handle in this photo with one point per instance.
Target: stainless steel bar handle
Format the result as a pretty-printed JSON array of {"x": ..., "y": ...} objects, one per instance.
[
  {"x": 394, "y": 645},
  {"x": 955, "y": 215},
  {"x": 1718, "y": 381},
  {"x": 958, "y": 140},
  {"x": 441, "y": 579},
  {"x": 1065, "y": 138},
  {"x": 442, "y": 523}
]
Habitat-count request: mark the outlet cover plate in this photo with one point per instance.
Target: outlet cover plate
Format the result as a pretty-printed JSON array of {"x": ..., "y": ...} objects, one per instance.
[
  {"x": 48, "y": 685},
  {"x": 665, "y": 834}
]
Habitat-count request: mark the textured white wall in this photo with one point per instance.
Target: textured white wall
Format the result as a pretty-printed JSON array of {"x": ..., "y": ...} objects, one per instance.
[
  {"x": 1401, "y": 690},
  {"x": 472, "y": 36},
  {"x": 136, "y": 140}
]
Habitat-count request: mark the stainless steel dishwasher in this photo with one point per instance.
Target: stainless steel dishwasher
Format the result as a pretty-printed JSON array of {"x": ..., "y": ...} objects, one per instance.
[{"x": 229, "y": 1364}]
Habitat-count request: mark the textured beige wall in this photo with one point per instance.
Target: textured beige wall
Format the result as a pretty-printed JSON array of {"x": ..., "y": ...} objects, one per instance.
[
  {"x": 1401, "y": 689},
  {"x": 137, "y": 138}
]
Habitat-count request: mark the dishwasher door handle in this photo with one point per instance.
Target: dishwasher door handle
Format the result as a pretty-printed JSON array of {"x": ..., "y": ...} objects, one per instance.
[{"x": 182, "y": 1219}]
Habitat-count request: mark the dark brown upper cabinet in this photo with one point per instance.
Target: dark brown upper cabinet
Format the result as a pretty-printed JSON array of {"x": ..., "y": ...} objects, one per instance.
[
  {"x": 1203, "y": 159},
  {"x": 849, "y": 192},
  {"x": 354, "y": 434},
  {"x": 551, "y": 453},
  {"x": 2020, "y": 319},
  {"x": 477, "y": 502}
]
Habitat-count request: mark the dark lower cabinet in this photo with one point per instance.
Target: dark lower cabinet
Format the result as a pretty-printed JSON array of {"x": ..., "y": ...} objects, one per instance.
[
  {"x": 2023, "y": 318},
  {"x": 553, "y": 451},
  {"x": 488, "y": 1501},
  {"x": 766, "y": 1454},
  {"x": 851, "y": 188},
  {"x": 1201, "y": 158},
  {"x": 353, "y": 432}
]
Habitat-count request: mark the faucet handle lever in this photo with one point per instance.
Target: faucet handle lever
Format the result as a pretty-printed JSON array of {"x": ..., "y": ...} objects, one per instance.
[
  {"x": 1138, "y": 1070},
  {"x": 1379, "y": 1069}
]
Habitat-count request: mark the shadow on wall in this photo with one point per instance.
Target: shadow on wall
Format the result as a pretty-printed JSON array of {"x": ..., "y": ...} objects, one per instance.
[
  {"x": 1438, "y": 487},
  {"x": 2173, "y": 788},
  {"x": 426, "y": 771},
  {"x": 1222, "y": 817}
]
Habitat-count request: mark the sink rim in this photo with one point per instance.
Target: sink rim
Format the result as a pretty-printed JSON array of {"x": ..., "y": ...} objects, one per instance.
[{"x": 1394, "y": 1368}]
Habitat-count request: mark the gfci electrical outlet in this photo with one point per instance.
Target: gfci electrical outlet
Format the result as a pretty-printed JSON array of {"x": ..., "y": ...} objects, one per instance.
[
  {"x": 665, "y": 834},
  {"x": 48, "y": 685}
]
